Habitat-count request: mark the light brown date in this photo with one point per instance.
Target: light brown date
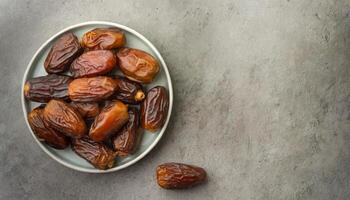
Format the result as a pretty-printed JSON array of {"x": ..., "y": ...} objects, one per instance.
[
  {"x": 154, "y": 109},
  {"x": 92, "y": 89},
  {"x": 64, "y": 118},
  {"x": 86, "y": 110},
  {"x": 44, "y": 132},
  {"x": 103, "y": 38},
  {"x": 99, "y": 155},
  {"x": 111, "y": 118},
  {"x": 44, "y": 88},
  {"x": 62, "y": 53},
  {"x": 126, "y": 140},
  {"x": 93, "y": 63},
  {"x": 179, "y": 176},
  {"x": 128, "y": 91},
  {"x": 138, "y": 65}
]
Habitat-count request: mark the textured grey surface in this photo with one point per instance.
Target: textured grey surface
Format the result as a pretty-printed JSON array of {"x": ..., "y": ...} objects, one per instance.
[{"x": 262, "y": 98}]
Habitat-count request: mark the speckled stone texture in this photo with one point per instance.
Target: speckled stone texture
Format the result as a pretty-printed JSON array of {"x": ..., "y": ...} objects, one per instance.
[{"x": 262, "y": 99}]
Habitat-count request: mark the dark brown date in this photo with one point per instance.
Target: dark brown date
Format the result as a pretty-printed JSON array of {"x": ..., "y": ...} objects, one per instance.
[
  {"x": 103, "y": 38},
  {"x": 91, "y": 89},
  {"x": 138, "y": 65},
  {"x": 126, "y": 140},
  {"x": 44, "y": 132},
  {"x": 62, "y": 53},
  {"x": 86, "y": 110},
  {"x": 64, "y": 118},
  {"x": 112, "y": 117},
  {"x": 128, "y": 91},
  {"x": 179, "y": 176},
  {"x": 93, "y": 63},
  {"x": 44, "y": 88},
  {"x": 154, "y": 109},
  {"x": 99, "y": 155}
]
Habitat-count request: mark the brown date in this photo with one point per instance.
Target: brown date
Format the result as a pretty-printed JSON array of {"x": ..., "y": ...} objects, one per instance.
[
  {"x": 138, "y": 65},
  {"x": 179, "y": 176},
  {"x": 64, "y": 118},
  {"x": 99, "y": 155},
  {"x": 93, "y": 63},
  {"x": 62, "y": 53},
  {"x": 128, "y": 91},
  {"x": 126, "y": 140},
  {"x": 44, "y": 88},
  {"x": 44, "y": 132},
  {"x": 111, "y": 118},
  {"x": 91, "y": 89},
  {"x": 103, "y": 38},
  {"x": 86, "y": 110},
  {"x": 154, "y": 109}
]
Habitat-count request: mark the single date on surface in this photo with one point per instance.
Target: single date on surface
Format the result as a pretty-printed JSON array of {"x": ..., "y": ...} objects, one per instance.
[
  {"x": 62, "y": 53},
  {"x": 98, "y": 154},
  {"x": 128, "y": 91},
  {"x": 103, "y": 38},
  {"x": 111, "y": 118},
  {"x": 179, "y": 176},
  {"x": 64, "y": 118}
]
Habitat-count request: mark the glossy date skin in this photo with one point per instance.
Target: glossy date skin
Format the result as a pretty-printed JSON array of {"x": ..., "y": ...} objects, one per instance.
[
  {"x": 98, "y": 154},
  {"x": 44, "y": 132},
  {"x": 64, "y": 118},
  {"x": 126, "y": 140},
  {"x": 93, "y": 63},
  {"x": 44, "y": 88},
  {"x": 179, "y": 176},
  {"x": 62, "y": 53},
  {"x": 111, "y": 118},
  {"x": 86, "y": 110},
  {"x": 92, "y": 89},
  {"x": 103, "y": 38},
  {"x": 138, "y": 65},
  {"x": 154, "y": 109},
  {"x": 128, "y": 91}
]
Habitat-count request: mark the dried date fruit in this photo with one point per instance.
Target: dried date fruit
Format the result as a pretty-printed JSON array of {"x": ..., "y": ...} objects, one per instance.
[
  {"x": 128, "y": 91},
  {"x": 111, "y": 118},
  {"x": 103, "y": 38},
  {"x": 62, "y": 53},
  {"x": 64, "y": 118},
  {"x": 91, "y": 89},
  {"x": 44, "y": 88},
  {"x": 138, "y": 65},
  {"x": 179, "y": 176},
  {"x": 126, "y": 140},
  {"x": 98, "y": 154},
  {"x": 44, "y": 132},
  {"x": 154, "y": 109},
  {"x": 93, "y": 63},
  {"x": 86, "y": 110}
]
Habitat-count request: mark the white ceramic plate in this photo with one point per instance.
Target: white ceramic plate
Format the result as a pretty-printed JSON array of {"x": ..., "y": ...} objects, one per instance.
[{"x": 135, "y": 40}]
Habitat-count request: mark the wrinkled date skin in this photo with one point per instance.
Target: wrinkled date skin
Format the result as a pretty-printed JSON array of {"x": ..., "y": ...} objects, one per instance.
[
  {"x": 44, "y": 88},
  {"x": 126, "y": 140},
  {"x": 98, "y": 154},
  {"x": 62, "y": 53},
  {"x": 86, "y": 110},
  {"x": 128, "y": 91},
  {"x": 103, "y": 38},
  {"x": 91, "y": 89},
  {"x": 93, "y": 63},
  {"x": 138, "y": 65},
  {"x": 154, "y": 109},
  {"x": 179, "y": 176},
  {"x": 64, "y": 118},
  {"x": 44, "y": 132},
  {"x": 111, "y": 118}
]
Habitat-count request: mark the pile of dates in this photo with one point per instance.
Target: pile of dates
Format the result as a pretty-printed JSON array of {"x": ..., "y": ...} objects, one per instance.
[{"x": 85, "y": 106}]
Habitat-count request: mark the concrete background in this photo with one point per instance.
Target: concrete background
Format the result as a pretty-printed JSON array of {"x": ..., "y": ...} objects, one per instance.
[{"x": 262, "y": 98}]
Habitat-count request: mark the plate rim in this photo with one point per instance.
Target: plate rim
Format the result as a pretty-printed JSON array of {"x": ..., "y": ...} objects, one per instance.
[{"x": 170, "y": 90}]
